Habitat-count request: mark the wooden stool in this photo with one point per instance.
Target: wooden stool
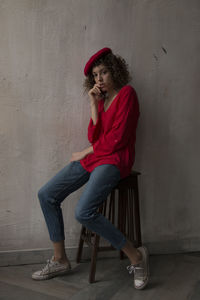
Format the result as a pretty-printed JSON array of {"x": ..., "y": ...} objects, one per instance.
[{"x": 128, "y": 219}]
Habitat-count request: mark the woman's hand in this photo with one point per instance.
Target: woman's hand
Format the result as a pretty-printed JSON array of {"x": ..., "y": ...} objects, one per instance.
[
  {"x": 77, "y": 156},
  {"x": 80, "y": 155},
  {"x": 95, "y": 93}
]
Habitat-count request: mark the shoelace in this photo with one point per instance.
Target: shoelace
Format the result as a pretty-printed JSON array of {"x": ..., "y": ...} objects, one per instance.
[
  {"x": 47, "y": 267},
  {"x": 133, "y": 268}
]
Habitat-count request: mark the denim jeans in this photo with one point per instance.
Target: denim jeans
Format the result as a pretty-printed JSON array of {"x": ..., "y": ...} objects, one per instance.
[{"x": 100, "y": 183}]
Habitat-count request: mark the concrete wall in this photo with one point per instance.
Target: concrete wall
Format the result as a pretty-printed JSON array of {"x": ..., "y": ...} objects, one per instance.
[{"x": 44, "y": 116}]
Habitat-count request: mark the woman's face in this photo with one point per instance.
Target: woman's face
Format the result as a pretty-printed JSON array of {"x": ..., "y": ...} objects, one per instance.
[{"x": 103, "y": 76}]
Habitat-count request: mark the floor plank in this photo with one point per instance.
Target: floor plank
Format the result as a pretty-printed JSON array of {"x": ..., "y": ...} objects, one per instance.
[{"x": 174, "y": 277}]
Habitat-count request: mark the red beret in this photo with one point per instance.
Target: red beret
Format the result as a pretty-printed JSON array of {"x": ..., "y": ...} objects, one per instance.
[{"x": 94, "y": 57}]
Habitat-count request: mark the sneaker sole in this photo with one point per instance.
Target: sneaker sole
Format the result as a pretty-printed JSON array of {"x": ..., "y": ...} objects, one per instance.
[
  {"x": 45, "y": 277},
  {"x": 148, "y": 273}
]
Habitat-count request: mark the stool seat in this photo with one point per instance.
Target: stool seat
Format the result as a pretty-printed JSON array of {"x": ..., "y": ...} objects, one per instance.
[{"x": 123, "y": 212}]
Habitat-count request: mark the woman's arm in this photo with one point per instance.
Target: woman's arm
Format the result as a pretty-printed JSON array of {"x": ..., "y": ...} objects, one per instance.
[
  {"x": 94, "y": 126},
  {"x": 80, "y": 155},
  {"x": 94, "y": 96},
  {"x": 94, "y": 111}
]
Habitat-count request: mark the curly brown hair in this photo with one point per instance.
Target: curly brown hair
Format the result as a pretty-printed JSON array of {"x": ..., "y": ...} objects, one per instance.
[{"x": 116, "y": 65}]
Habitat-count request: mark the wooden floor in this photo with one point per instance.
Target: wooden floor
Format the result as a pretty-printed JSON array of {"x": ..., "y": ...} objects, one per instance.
[{"x": 173, "y": 277}]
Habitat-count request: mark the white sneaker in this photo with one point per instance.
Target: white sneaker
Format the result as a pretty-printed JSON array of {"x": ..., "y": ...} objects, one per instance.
[
  {"x": 141, "y": 270},
  {"x": 52, "y": 269}
]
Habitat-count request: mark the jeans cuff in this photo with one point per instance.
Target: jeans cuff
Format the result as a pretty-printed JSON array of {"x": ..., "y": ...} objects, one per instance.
[{"x": 122, "y": 244}]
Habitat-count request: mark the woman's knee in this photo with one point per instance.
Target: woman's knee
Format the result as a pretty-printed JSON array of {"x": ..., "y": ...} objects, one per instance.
[
  {"x": 83, "y": 216},
  {"x": 78, "y": 215},
  {"x": 43, "y": 195}
]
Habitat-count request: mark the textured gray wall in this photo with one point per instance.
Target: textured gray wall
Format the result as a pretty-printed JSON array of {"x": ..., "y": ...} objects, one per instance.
[{"x": 44, "y": 45}]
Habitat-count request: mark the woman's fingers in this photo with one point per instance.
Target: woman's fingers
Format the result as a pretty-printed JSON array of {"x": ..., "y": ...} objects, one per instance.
[
  {"x": 98, "y": 91},
  {"x": 95, "y": 91},
  {"x": 99, "y": 87},
  {"x": 77, "y": 155}
]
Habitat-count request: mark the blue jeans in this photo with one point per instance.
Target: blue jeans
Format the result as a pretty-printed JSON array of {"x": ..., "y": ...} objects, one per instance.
[{"x": 100, "y": 183}]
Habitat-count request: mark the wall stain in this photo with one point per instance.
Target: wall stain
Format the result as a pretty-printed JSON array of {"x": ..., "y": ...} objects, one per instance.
[
  {"x": 155, "y": 57},
  {"x": 164, "y": 50}
]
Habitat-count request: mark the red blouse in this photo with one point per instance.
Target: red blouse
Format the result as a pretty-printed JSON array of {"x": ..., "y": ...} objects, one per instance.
[{"x": 114, "y": 134}]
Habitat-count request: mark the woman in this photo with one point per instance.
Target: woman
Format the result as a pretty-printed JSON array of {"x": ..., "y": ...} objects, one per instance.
[{"x": 112, "y": 133}]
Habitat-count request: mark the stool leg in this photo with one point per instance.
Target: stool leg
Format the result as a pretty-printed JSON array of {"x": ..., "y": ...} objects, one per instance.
[
  {"x": 113, "y": 206},
  {"x": 132, "y": 237},
  {"x": 94, "y": 258},
  {"x": 121, "y": 216},
  {"x": 137, "y": 215},
  {"x": 80, "y": 246},
  {"x": 130, "y": 217}
]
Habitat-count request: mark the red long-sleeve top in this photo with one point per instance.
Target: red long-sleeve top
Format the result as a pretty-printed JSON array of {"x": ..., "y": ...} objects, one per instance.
[{"x": 114, "y": 134}]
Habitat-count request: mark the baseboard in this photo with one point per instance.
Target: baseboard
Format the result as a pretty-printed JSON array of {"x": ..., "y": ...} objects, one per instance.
[
  {"x": 175, "y": 246},
  {"x": 36, "y": 256}
]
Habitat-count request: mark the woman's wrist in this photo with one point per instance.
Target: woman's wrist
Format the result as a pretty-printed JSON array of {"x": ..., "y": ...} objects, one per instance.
[
  {"x": 88, "y": 150},
  {"x": 93, "y": 102},
  {"x": 94, "y": 111}
]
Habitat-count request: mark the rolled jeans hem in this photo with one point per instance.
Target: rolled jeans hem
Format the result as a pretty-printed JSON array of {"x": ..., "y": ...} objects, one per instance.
[
  {"x": 122, "y": 244},
  {"x": 57, "y": 240}
]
